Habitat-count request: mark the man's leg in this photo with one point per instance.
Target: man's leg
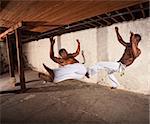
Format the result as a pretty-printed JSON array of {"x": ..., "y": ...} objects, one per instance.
[
  {"x": 45, "y": 77},
  {"x": 49, "y": 77},
  {"x": 108, "y": 66},
  {"x": 50, "y": 71},
  {"x": 114, "y": 81}
]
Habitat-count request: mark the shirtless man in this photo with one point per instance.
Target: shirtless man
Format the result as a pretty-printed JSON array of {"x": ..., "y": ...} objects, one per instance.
[
  {"x": 131, "y": 49},
  {"x": 64, "y": 59},
  {"x": 130, "y": 54}
]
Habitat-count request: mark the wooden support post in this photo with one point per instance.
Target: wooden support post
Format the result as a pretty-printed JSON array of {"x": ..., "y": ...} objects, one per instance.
[
  {"x": 10, "y": 56},
  {"x": 10, "y": 30},
  {"x": 20, "y": 58}
]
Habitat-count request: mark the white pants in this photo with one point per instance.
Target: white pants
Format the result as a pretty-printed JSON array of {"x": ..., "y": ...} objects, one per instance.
[
  {"x": 71, "y": 71},
  {"x": 110, "y": 67}
]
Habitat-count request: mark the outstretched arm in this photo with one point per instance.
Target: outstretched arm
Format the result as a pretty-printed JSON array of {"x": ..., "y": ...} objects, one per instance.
[
  {"x": 120, "y": 38},
  {"x": 136, "y": 50},
  {"x": 55, "y": 59},
  {"x": 78, "y": 49}
]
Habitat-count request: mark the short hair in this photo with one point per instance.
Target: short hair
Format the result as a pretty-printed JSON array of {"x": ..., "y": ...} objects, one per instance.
[
  {"x": 138, "y": 37},
  {"x": 61, "y": 50}
]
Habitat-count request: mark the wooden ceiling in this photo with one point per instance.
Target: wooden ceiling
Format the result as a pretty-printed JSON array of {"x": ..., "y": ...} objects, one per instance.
[{"x": 45, "y": 15}]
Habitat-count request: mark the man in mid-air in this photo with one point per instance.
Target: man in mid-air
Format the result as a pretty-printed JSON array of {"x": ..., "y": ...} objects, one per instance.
[
  {"x": 130, "y": 54},
  {"x": 70, "y": 68}
]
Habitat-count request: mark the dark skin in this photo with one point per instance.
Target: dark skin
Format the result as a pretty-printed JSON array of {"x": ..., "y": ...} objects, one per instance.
[
  {"x": 65, "y": 57},
  {"x": 131, "y": 49}
]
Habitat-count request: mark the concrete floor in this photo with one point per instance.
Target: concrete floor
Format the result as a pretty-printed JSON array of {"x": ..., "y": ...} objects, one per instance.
[{"x": 70, "y": 102}]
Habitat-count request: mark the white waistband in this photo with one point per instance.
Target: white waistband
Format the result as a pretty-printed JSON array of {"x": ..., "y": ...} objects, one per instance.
[{"x": 121, "y": 67}]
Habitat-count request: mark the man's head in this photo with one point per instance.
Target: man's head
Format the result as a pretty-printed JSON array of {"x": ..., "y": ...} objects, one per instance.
[
  {"x": 63, "y": 53},
  {"x": 136, "y": 37}
]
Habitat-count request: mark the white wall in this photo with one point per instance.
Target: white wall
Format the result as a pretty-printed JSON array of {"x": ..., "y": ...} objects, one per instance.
[
  {"x": 100, "y": 45},
  {"x": 37, "y": 53}
]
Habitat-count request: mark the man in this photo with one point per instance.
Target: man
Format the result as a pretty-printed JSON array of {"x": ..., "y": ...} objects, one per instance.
[
  {"x": 70, "y": 68},
  {"x": 130, "y": 54}
]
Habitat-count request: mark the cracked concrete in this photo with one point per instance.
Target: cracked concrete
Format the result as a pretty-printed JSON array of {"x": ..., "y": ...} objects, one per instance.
[{"x": 71, "y": 102}]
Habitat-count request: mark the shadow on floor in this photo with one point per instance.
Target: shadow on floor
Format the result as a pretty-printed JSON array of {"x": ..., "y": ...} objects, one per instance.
[
  {"x": 62, "y": 86},
  {"x": 18, "y": 84}
]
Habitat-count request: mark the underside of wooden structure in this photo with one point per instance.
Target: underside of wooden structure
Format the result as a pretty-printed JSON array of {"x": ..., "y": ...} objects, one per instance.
[{"x": 40, "y": 19}]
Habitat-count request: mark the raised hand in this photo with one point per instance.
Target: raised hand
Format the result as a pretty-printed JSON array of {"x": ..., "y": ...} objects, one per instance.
[
  {"x": 78, "y": 41},
  {"x": 131, "y": 33},
  {"x": 52, "y": 41},
  {"x": 116, "y": 28},
  {"x": 133, "y": 39}
]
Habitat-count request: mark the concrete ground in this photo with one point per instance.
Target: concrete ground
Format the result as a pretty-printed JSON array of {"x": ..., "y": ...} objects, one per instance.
[{"x": 69, "y": 102}]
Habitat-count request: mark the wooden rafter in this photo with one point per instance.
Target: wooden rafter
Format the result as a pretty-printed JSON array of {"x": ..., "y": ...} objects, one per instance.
[
  {"x": 87, "y": 26},
  {"x": 97, "y": 22},
  {"x": 108, "y": 23},
  {"x": 141, "y": 6},
  {"x": 111, "y": 18},
  {"x": 133, "y": 18},
  {"x": 121, "y": 16},
  {"x": 89, "y": 23}
]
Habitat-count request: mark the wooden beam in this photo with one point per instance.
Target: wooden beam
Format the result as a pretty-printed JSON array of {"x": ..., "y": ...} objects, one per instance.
[
  {"x": 10, "y": 30},
  {"x": 133, "y": 18},
  {"x": 141, "y": 6},
  {"x": 89, "y": 23},
  {"x": 20, "y": 58},
  {"x": 10, "y": 56},
  {"x": 108, "y": 23},
  {"x": 97, "y": 22},
  {"x": 86, "y": 26},
  {"x": 111, "y": 18},
  {"x": 121, "y": 16}
]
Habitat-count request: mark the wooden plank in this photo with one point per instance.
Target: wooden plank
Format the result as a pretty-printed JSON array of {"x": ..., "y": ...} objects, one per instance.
[
  {"x": 10, "y": 56},
  {"x": 10, "y": 30},
  {"x": 20, "y": 58}
]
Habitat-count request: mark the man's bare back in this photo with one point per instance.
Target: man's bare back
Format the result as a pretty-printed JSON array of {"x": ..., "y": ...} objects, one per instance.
[{"x": 131, "y": 49}]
